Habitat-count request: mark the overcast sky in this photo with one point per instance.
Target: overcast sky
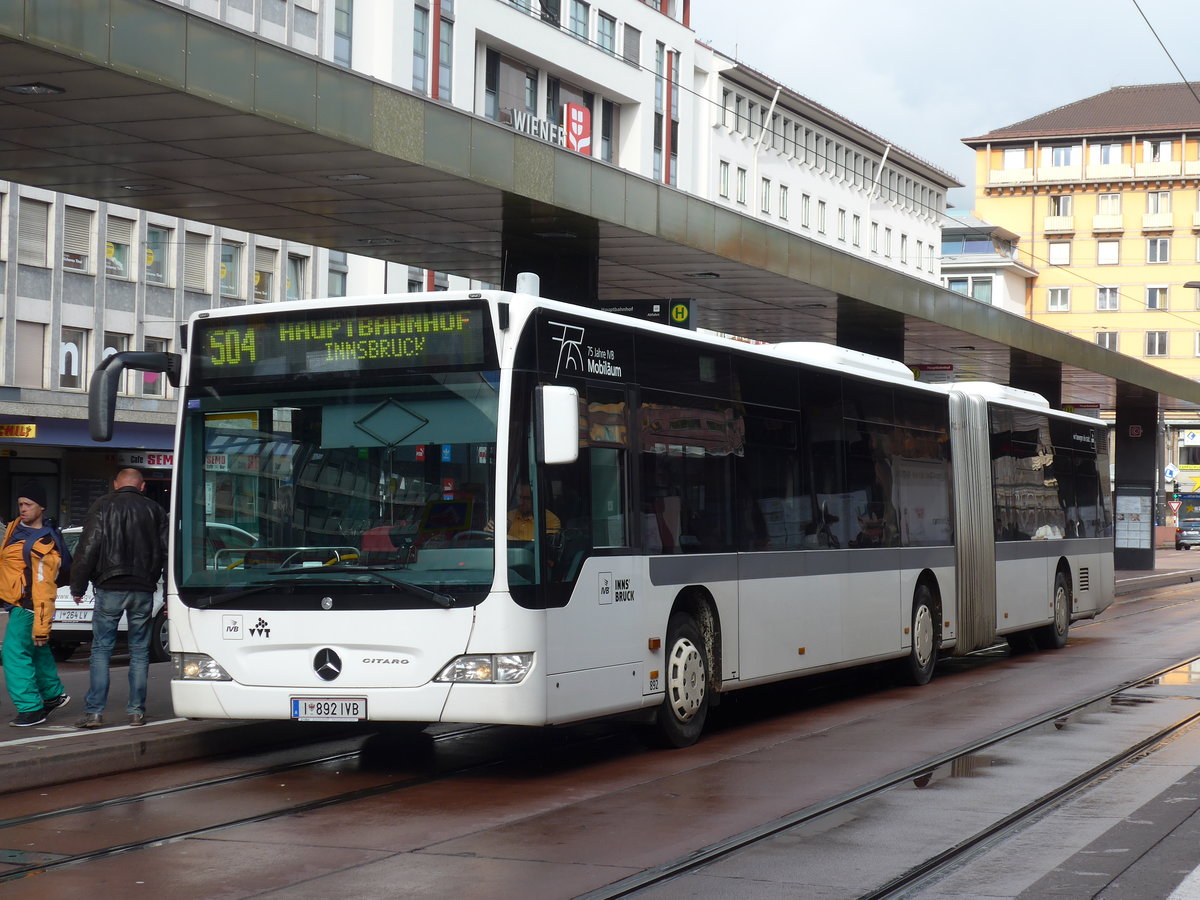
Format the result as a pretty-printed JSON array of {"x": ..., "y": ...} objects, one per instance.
[{"x": 926, "y": 74}]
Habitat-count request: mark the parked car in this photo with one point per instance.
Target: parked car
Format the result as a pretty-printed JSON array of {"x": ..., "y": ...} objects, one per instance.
[
  {"x": 1187, "y": 534},
  {"x": 73, "y": 624}
]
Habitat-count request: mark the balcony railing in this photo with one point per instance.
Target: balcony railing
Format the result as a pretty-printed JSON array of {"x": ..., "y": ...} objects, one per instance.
[
  {"x": 1157, "y": 221},
  {"x": 1058, "y": 223},
  {"x": 1108, "y": 223}
]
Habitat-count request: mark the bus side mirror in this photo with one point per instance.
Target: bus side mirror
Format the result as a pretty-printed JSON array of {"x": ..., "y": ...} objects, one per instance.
[
  {"x": 557, "y": 422},
  {"x": 102, "y": 393}
]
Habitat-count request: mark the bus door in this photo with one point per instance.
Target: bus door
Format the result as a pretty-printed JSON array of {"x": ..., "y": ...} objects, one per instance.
[{"x": 590, "y": 577}]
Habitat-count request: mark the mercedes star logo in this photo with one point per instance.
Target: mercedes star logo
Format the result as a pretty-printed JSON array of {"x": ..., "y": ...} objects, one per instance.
[{"x": 327, "y": 664}]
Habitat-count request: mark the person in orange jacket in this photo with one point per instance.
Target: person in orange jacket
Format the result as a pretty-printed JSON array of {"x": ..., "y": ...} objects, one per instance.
[{"x": 30, "y": 557}]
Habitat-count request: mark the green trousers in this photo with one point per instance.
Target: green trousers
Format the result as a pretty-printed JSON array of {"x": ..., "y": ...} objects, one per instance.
[{"x": 29, "y": 670}]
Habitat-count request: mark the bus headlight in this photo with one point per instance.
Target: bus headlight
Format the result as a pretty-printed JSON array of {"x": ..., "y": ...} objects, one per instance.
[
  {"x": 197, "y": 667},
  {"x": 487, "y": 668}
]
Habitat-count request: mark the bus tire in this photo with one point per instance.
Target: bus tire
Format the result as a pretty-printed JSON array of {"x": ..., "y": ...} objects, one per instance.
[
  {"x": 680, "y": 718},
  {"x": 922, "y": 654},
  {"x": 160, "y": 650},
  {"x": 1054, "y": 635}
]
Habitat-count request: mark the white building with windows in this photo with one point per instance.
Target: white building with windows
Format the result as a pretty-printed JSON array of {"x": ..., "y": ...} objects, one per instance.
[{"x": 621, "y": 81}]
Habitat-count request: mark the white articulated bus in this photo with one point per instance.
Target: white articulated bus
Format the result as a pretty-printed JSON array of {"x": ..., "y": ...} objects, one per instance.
[{"x": 490, "y": 507}]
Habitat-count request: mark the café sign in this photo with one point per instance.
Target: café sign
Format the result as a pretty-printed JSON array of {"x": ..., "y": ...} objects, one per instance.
[{"x": 25, "y": 431}]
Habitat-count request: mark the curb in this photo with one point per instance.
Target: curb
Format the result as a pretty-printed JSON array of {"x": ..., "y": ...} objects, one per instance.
[{"x": 32, "y": 761}]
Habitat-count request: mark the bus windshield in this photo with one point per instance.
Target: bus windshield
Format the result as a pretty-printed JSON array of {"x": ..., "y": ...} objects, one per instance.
[{"x": 381, "y": 484}]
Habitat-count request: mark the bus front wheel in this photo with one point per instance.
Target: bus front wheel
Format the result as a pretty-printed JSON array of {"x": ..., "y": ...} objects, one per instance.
[
  {"x": 1054, "y": 635},
  {"x": 922, "y": 655},
  {"x": 680, "y": 719}
]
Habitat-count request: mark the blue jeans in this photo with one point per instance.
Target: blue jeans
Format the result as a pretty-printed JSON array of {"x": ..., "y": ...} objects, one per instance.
[{"x": 109, "y": 606}]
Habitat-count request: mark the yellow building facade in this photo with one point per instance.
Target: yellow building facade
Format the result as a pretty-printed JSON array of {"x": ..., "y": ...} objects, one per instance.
[{"x": 1105, "y": 196}]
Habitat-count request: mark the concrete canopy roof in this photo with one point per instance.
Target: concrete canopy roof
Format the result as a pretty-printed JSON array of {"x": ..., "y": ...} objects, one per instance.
[{"x": 164, "y": 110}]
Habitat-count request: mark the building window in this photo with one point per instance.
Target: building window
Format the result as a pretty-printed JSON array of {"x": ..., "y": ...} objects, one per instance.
[
  {"x": 741, "y": 185},
  {"x": 1106, "y": 339},
  {"x": 887, "y": 242},
  {"x": 1014, "y": 158},
  {"x": 295, "y": 277},
  {"x": 959, "y": 285},
  {"x": 116, "y": 249},
  {"x": 856, "y": 230},
  {"x": 1197, "y": 295},
  {"x": 1058, "y": 299},
  {"x": 631, "y": 46},
  {"x": 507, "y": 85},
  {"x": 1108, "y": 204},
  {"x": 264, "y": 273},
  {"x": 343, "y": 21},
  {"x": 338, "y": 271},
  {"x": 77, "y": 239},
  {"x": 783, "y": 201},
  {"x": 1064, "y": 156},
  {"x": 31, "y": 355},
  {"x": 1156, "y": 297},
  {"x": 579, "y": 24},
  {"x": 606, "y": 33},
  {"x": 1158, "y": 202},
  {"x": 765, "y": 196},
  {"x": 231, "y": 269},
  {"x": 1156, "y": 151},
  {"x": 116, "y": 343},
  {"x": 610, "y": 122},
  {"x": 874, "y": 237},
  {"x": 445, "y": 56},
  {"x": 72, "y": 358},
  {"x": 805, "y": 205},
  {"x": 1108, "y": 253},
  {"x": 1107, "y": 299},
  {"x": 1156, "y": 343},
  {"x": 195, "y": 262},
  {"x": 1158, "y": 250},
  {"x": 841, "y": 224},
  {"x": 33, "y": 232},
  {"x": 1105, "y": 154},
  {"x": 723, "y": 179},
  {"x": 154, "y": 383},
  {"x": 1060, "y": 205},
  {"x": 158, "y": 244},
  {"x": 420, "y": 42},
  {"x": 821, "y": 216},
  {"x": 904, "y": 249},
  {"x": 1060, "y": 253}
]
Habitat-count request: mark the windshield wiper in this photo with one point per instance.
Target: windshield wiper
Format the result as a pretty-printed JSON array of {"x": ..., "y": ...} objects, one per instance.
[
  {"x": 289, "y": 580},
  {"x": 445, "y": 601}
]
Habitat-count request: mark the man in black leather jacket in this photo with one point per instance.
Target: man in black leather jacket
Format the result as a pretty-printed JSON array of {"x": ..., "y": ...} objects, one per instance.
[{"x": 122, "y": 551}]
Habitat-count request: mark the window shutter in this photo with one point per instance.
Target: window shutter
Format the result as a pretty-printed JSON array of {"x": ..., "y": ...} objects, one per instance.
[
  {"x": 120, "y": 231},
  {"x": 33, "y": 231},
  {"x": 194, "y": 262},
  {"x": 77, "y": 235}
]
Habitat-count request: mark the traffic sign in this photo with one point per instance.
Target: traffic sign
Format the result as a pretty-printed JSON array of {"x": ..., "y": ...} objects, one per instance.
[
  {"x": 1171, "y": 472},
  {"x": 1174, "y": 504}
]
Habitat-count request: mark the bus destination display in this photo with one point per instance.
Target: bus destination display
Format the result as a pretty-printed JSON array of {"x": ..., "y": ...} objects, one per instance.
[{"x": 360, "y": 340}]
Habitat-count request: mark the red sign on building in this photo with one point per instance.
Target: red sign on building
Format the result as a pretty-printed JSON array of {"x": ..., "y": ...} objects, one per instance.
[{"x": 577, "y": 122}]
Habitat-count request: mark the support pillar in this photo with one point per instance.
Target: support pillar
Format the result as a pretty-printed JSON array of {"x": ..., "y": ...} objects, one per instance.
[
  {"x": 870, "y": 329},
  {"x": 1036, "y": 373},
  {"x": 1137, "y": 453},
  {"x": 561, "y": 248}
]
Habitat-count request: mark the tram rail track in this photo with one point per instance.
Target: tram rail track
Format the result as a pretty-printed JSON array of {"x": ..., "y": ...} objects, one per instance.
[
  {"x": 897, "y": 884},
  {"x": 894, "y": 885}
]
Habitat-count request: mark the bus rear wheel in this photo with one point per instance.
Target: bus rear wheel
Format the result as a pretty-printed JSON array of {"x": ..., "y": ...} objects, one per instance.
[
  {"x": 680, "y": 719},
  {"x": 1054, "y": 635},
  {"x": 922, "y": 655}
]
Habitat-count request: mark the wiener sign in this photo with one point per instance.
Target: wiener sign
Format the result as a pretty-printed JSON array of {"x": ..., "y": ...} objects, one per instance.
[{"x": 574, "y": 133}]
